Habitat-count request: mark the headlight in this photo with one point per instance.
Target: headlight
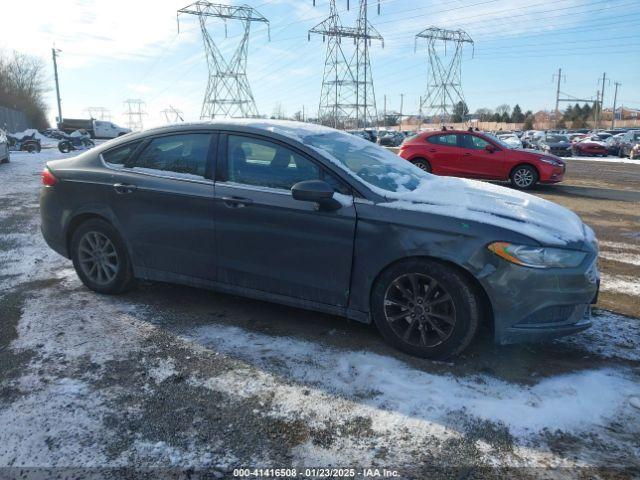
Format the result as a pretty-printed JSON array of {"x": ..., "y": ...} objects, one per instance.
[
  {"x": 550, "y": 161},
  {"x": 537, "y": 257}
]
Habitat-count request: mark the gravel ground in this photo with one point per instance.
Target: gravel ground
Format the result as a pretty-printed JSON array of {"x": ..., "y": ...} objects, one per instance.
[{"x": 169, "y": 377}]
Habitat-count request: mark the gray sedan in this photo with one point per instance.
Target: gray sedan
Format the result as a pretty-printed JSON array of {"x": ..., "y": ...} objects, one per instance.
[{"x": 315, "y": 218}]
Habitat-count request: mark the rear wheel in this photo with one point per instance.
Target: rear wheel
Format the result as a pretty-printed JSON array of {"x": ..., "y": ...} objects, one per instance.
[
  {"x": 100, "y": 257},
  {"x": 425, "y": 308},
  {"x": 524, "y": 177},
  {"x": 422, "y": 164}
]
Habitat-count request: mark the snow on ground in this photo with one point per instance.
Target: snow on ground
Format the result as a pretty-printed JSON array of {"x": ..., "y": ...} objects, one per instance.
[
  {"x": 573, "y": 402},
  {"x": 610, "y": 159},
  {"x": 611, "y": 336}
]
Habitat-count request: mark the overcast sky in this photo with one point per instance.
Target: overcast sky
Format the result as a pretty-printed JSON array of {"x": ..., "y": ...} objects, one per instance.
[{"x": 113, "y": 50}]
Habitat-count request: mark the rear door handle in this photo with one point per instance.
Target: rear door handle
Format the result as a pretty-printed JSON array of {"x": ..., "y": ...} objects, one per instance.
[
  {"x": 122, "y": 188},
  {"x": 236, "y": 202}
]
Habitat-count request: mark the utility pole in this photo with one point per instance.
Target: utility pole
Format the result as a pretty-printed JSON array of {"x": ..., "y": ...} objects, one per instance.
[
  {"x": 615, "y": 99},
  {"x": 558, "y": 96},
  {"x": 401, "y": 105},
  {"x": 600, "y": 105},
  {"x": 54, "y": 54},
  {"x": 384, "y": 115}
]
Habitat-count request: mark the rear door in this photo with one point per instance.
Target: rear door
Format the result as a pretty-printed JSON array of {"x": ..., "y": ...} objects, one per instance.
[
  {"x": 477, "y": 162},
  {"x": 443, "y": 153},
  {"x": 163, "y": 200},
  {"x": 266, "y": 240}
]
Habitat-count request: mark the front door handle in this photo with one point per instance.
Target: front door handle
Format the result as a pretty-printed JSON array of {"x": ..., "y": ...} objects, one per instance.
[
  {"x": 122, "y": 188},
  {"x": 236, "y": 202},
  {"x": 466, "y": 154}
]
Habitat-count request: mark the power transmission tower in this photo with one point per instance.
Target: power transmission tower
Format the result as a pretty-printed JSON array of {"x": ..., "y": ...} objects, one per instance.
[
  {"x": 228, "y": 92},
  {"x": 347, "y": 99},
  {"x": 99, "y": 113},
  {"x": 172, "y": 115},
  {"x": 444, "y": 82},
  {"x": 135, "y": 112}
]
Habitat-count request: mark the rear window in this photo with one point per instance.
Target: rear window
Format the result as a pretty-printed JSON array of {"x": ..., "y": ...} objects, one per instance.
[{"x": 119, "y": 155}]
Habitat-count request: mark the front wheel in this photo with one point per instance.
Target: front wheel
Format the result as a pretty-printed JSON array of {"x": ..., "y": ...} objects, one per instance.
[
  {"x": 64, "y": 146},
  {"x": 100, "y": 258},
  {"x": 524, "y": 177},
  {"x": 425, "y": 308}
]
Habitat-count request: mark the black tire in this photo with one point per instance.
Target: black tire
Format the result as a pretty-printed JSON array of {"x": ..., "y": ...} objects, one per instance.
[
  {"x": 462, "y": 303},
  {"x": 122, "y": 275},
  {"x": 422, "y": 164},
  {"x": 524, "y": 177},
  {"x": 64, "y": 147},
  {"x": 620, "y": 153}
]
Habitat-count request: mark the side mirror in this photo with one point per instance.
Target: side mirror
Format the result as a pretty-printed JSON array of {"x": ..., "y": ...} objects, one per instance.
[
  {"x": 490, "y": 148},
  {"x": 315, "y": 191}
]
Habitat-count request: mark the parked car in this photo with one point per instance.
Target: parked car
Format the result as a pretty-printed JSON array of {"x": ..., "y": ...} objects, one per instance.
[
  {"x": 630, "y": 145},
  {"x": 479, "y": 155},
  {"x": 390, "y": 138},
  {"x": 555, "y": 144},
  {"x": 96, "y": 128},
  {"x": 590, "y": 145},
  {"x": 315, "y": 218},
  {"x": 530, "y": 138},
  {"x": 510, "y": 139},
  {"x": 613, "y": 143},
  {"x": 4, "y": 147}
]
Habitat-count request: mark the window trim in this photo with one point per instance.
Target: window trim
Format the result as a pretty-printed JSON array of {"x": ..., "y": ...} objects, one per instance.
[
  {"x": 144, "y": 142},
  {"x": 222, "y": 165}
]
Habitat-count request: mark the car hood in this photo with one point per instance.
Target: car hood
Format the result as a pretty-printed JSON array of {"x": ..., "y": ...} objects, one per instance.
[{"x": 546, "y": 222}]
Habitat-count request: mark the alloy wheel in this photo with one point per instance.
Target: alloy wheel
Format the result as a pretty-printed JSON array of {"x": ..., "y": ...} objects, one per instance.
[
  {"x": 98, "y": 258},
  {"x": 523, "y": 177},
  {"x": 419, "y": 310}
]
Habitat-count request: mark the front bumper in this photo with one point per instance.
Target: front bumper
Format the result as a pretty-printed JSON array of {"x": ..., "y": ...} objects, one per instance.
[{"x": 539, "y": 304}]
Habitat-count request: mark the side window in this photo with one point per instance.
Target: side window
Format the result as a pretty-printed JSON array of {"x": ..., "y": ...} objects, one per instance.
[
  {"x": 448, "y": 140},
  {"x": 183, "y": 154},
  {"x": 263, "y": 163},
  {"x": 475, "y": 143},
  {"x": 118, "y": 156}
]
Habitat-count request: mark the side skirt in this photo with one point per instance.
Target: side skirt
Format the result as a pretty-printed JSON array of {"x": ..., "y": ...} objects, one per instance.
[{"x": 161, "y": 276}]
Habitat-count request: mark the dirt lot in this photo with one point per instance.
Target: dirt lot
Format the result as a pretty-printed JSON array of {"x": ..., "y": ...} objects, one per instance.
[{"x": 174, "y": 377}]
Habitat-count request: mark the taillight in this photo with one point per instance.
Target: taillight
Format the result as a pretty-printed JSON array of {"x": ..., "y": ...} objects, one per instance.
[{"x": 48, "y": 178}]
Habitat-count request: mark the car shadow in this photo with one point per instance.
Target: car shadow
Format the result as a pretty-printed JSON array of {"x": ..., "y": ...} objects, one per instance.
[{"x": 179, "y": 310}]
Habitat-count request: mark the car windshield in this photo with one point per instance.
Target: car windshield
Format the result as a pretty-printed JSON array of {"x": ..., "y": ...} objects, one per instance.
[
  {"x": 372, "y": 164},
  {"x": 636, "y": 137},
  {"x": 556, "y": 138},
  {"x": 499, "y": 141}
]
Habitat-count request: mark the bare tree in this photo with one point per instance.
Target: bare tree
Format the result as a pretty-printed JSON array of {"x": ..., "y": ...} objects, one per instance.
[{"x": 23, "y": 86}]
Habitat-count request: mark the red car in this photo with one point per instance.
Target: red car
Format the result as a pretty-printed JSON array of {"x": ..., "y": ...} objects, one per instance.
[
  {"x": 478, "y": 155},
  {"x": 590, "y": 146}
]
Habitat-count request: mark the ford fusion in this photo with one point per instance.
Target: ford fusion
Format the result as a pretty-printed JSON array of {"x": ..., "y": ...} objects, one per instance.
[{"x": 319, "y": 219}]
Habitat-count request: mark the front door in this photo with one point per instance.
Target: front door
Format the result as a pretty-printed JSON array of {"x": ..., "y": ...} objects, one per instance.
[
  {"x": 478, "y": 162},
  {"x": 266, "y": 240},
  {"x": 163, "y": 200}
]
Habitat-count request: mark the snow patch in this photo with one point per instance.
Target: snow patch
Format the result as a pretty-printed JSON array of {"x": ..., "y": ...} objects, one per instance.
[
  {"x": 625, "y": 284},
  {"x": 396, "y": 394}
]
